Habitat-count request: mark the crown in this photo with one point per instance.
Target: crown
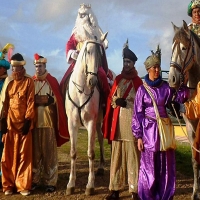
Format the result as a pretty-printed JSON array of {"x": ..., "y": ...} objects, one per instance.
[
  {"x": 85, "y": 5},
  {"x": 195, "y": 3}
]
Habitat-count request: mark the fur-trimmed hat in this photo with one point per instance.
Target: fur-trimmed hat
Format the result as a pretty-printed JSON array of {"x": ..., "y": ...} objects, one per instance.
[
  {"x": 154, "y": 59},
  {"x": 17, "y": 59},
  {"x": 39, "y": 59},
  {"x": 193, "y": 4},
  {"x": 127, "y": 53}
]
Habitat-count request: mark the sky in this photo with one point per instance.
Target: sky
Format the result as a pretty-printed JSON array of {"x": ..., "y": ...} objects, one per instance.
[{"x": 44, "y": 27}]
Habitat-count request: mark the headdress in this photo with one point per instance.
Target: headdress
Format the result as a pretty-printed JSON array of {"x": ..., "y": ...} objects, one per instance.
[
  {"x": 7, "y": 49},
  {"x": 39, "y": 59},
  {"x": 17, "y": 59},
  {"x": 154, "y": 59},
  {"x": 127, "y": 53},
  {"x": 193, "y": 4}
]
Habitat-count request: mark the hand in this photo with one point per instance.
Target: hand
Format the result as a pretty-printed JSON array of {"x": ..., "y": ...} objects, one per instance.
[
  {"x": 74, "y": 55},
  {"x": 26, "y": 127},
  {"x": 4, "y": 125},
  {"x": 140, "y": 144},
  {"x": 121, "y": 102},
  {"x": 50, "y": 100},
  {"x": 182, "y": 108},
  {"x": 175, "y": 106}
]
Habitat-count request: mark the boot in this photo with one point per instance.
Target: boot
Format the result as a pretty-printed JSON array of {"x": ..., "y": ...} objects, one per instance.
[
  {"x": 134, "y": 196},
  {"x": 113, "y": 195}
]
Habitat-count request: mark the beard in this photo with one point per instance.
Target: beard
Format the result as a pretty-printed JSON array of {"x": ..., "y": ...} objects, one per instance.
[{"x": 83, "y": 30}]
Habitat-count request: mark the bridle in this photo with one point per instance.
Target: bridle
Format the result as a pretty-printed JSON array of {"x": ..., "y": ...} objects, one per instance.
[
  {"x": 188, "y": 61},
  {"x": 86, "y": 73}
]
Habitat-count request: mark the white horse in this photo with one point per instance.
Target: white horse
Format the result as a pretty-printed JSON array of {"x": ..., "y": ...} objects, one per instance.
[
  {"x": 82, "y": 108},
  {"x": 185, "y": 63}
]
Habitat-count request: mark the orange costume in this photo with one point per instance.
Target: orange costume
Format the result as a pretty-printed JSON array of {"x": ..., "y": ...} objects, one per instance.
[
  {"x": 17, "y": 153},
  {"x": 192, "y": 108}
]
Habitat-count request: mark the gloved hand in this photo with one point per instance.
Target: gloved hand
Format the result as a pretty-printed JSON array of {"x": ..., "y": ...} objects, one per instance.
[
  {"x": 182, "y": 108},
  {"x": 121, "y": 102},
  {"x": 50, "y": 100},
  {"x": 4, "y": 125},
  {"x": 175, "y": 105},
  {"x": 26, "y": 127}
]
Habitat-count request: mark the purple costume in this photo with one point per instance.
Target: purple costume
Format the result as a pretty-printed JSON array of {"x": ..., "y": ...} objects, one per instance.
[{"x": 157, "y": 169}]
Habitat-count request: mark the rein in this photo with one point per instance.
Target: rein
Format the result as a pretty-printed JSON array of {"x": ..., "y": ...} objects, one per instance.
[
  {"x": 184, "y": 131},
  {"x": 80, "y": 107},
  {"x": 185, "y": 64}
]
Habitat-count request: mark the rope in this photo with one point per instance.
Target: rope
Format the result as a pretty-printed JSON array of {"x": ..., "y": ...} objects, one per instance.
[{"x": 184, "y": 131}]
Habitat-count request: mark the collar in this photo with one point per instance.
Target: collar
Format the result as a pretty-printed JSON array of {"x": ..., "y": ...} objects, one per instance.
[{"x": 151, "y": 83}]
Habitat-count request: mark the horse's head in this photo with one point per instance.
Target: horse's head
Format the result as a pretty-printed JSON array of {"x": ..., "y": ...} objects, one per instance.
[
  {"x": 182, "y": 57},
  {"x": 91, "y": 56}
]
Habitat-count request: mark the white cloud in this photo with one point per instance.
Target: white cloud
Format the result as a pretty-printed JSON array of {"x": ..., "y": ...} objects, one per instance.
[{"x": 44, "y": 26}]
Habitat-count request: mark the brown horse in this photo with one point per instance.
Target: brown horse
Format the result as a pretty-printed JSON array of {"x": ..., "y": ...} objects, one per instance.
[{"x": 185, "y": 62}]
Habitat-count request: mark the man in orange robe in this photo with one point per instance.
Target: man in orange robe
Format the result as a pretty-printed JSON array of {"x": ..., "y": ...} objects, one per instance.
[{"x": 18, "y": 112}]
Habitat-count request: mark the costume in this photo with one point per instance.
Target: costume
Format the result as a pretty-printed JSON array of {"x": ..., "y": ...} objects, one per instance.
[
  {"x": 80, "y": 34},
  {"x": 192, "y": 112},
  {"x": 157, "y": 168},
  {"x": 195, "y": 24},
  {"x": 50, "y": 127},
  {"x": 3, "y": 75},
  {"x": 18, "y": 112},
  {"x": 116, "y": 128}
]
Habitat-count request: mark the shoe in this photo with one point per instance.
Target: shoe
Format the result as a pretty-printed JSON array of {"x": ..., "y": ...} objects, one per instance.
[
  {"x": 25, "y": 192},
  {"x": 50, "y": 188},
  {"x": 8, "y": 192},
  {"x": 34, "y": 186},
  {"x": 114, "y": 195},
  {"x": 134, "y": 196}
]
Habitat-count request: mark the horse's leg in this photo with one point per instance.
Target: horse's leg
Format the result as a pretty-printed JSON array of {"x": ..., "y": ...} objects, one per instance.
[
  {"x": 73, "y": 141},
  {"x": 91, "y": 156},
  {"x": 191, "y": 127},
  {"x": 195, "y": 166},
  {"x": 100, "y": 170}
]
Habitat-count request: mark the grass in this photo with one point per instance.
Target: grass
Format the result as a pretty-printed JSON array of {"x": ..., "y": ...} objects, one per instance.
[
  {"x": 183, "y": 159},
  {"x": 183, "y": 153}
]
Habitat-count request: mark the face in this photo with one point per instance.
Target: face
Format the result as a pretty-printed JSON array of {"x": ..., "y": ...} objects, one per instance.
[
  {"x": 40, "y": 69},
  {"x": 2, "y": 71},
  {"x": 196, "y": 15},
  {"x": 154, "y": 72},
  {"x": 128, "y": 64},
  {"x": 17, "y": 68}
]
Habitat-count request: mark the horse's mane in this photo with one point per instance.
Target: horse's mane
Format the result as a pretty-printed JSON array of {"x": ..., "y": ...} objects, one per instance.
[
  {"x": 182, "y": 37},
  {"x": 196, "y": 37}
]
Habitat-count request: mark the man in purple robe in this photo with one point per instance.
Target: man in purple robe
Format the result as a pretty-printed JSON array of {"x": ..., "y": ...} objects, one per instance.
[{"x": 157, "y": 168}]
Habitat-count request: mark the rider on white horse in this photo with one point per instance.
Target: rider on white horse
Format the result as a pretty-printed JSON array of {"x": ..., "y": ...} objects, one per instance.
[{"x": 86, "y": 28}]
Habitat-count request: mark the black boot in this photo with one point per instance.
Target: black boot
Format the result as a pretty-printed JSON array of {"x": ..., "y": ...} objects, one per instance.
[
  {"x": 134, "y": 196},
  {"x": 113, "y": 195}
]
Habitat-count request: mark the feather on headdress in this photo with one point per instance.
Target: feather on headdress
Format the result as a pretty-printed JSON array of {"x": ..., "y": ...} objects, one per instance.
[{"x": 7, "y": 49}]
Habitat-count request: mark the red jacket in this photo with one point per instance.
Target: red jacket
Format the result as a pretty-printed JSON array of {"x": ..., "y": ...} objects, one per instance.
[
  {"x": 62, "y": 134},
  {"x": 111, "y": 118}
]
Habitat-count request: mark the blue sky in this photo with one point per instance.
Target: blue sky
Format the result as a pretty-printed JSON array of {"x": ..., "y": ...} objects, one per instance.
[{"x": 44, "y": 27}]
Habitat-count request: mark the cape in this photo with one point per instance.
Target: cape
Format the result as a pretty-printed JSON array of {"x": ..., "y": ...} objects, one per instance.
[
  {"x": 62, "y": 134},
  {"x": 111, "y": 118}
]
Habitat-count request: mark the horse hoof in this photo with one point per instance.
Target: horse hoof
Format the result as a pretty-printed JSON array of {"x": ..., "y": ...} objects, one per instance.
[
  {"x": 89, "y": 191},
  {"x": 70, "y": 191},
  {"x": 100, "y": 172}
]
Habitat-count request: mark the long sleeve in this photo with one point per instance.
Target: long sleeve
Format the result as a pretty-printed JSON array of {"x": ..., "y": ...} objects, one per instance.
[
  {"x": 192, "y": 106},
  {"x": 30, "y": 100},
  {"x": 138, "y": 114}
]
